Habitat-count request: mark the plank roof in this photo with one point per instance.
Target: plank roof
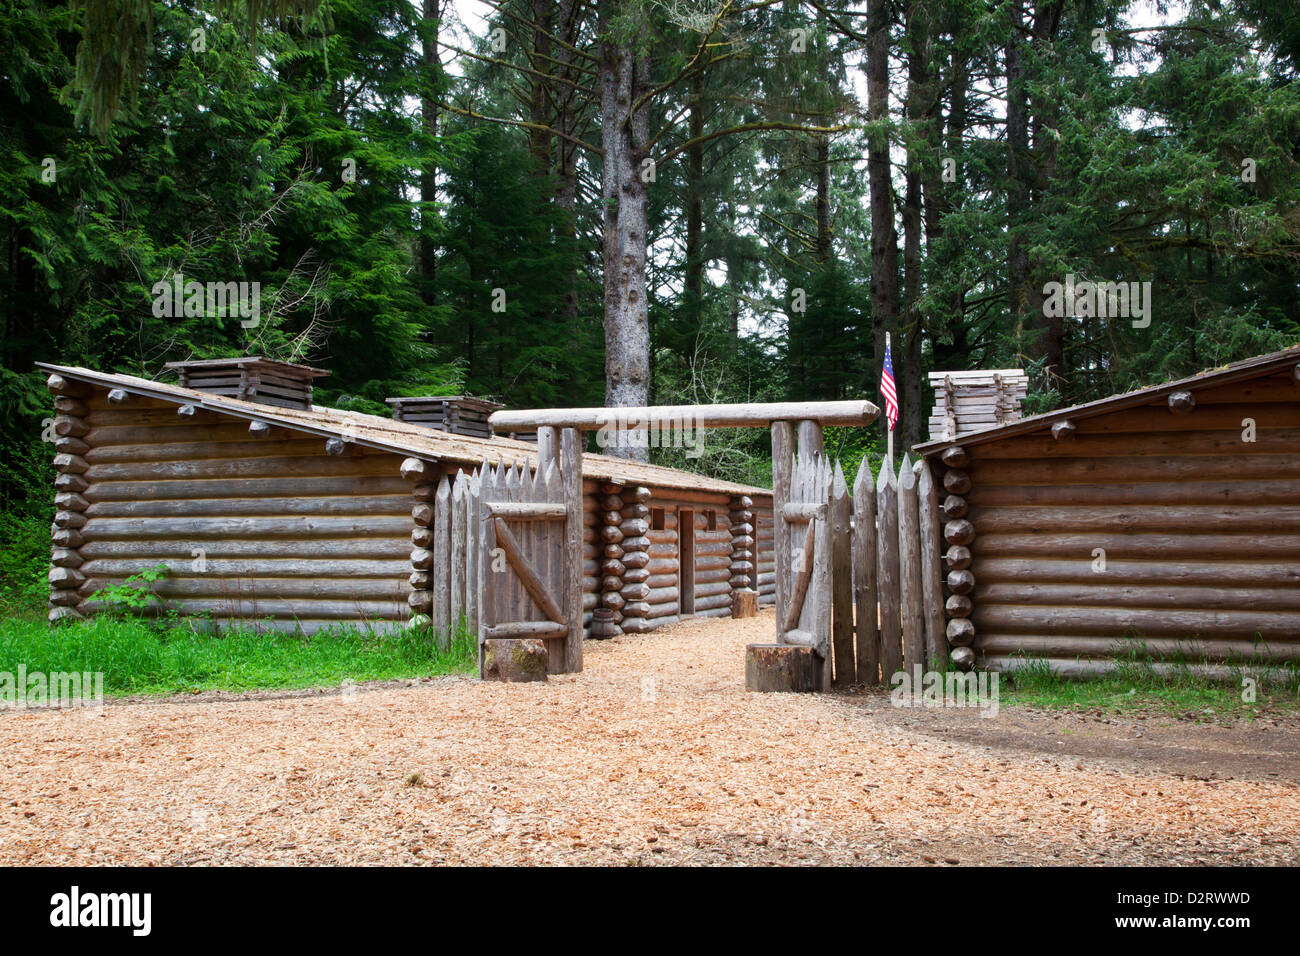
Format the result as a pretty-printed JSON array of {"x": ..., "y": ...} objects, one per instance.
[{"x": 403, "y": 438}]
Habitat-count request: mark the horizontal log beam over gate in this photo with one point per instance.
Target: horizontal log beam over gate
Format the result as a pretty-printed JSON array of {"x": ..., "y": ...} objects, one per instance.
[{"x": 759, "y": 415}]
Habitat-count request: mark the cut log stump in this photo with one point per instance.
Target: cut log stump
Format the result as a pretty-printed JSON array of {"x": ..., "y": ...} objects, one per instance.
[
  {"x": 744, "y": 602},
  {"x": 782, "y": 668},
  {"x": 514, "y": 660}
]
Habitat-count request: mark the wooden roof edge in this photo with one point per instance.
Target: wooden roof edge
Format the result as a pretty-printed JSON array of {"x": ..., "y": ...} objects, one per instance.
[
  {"x": 1246, "y": 369},
  {"x": 275, "y": 414},
  {"x": 249, "y": 360},
  {"x": 398, "y": 399}
]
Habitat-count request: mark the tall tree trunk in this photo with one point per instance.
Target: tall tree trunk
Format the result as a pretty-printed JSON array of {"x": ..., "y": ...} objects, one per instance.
[
  {"x": 429, "y": 174},
  {"x": 923, "y": 142},
  {"x": 884, "y": 236},
  {"x": 694, "y": 284},
  {"x": 822, "y": 159},
  {"x": 954, "y": 356},
  {"x": 626, "y": 198},
  {"x": 566, "y": 158},
  {"x": 541, "y": 96}
]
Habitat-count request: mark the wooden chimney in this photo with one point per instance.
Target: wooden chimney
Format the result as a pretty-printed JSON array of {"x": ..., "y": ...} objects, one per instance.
[{"x": 251, "y": 379}]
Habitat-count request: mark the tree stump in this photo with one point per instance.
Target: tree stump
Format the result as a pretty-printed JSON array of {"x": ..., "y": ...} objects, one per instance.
[
  {"x": 744, "y": 602},
  {"x": 782, "y": 668},
  {"x": 514, "y": 660}
]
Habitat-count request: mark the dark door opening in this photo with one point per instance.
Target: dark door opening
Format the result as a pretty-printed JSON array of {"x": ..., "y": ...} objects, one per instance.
[{"x": 686, "y": 561}]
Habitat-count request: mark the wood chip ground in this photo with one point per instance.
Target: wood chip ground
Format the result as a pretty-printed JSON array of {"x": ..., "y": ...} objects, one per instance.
[{"x": 655, "y": 754}]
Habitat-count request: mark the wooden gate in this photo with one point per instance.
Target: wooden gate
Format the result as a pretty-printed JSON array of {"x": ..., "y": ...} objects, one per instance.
[
  {"x": 531, "y": 534},
  {"x": 803, "y": 613}
]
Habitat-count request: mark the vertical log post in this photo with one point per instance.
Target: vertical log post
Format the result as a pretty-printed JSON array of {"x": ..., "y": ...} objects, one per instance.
[
  {"x": 66, "y": 533},
  {"x": 571, "y": 475},
  {"x": 611, "y": 569},
  {"x": 782, "y": 463},
  {"x": 636, "y": 563},
  {"x": 958, "y": 536},
  {"x": 743, "y": 576},
  {"x": 936, "y": 644},
  {"x": 867, "y": 616},
  {"x": 440, "y": 562},
  {"x": 422, "y": 516},
  {"x": 909, "y": 567},
  {"x": 846, "y": 671},
  {"x": 887, "y": 572}
]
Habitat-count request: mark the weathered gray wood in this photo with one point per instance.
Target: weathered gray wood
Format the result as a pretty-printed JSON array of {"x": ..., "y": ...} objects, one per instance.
[
  {"x": 842, "y": 582},
  {"x": 963, "y": 658},
  {"x": 803, "y": 576},
  {"x": 811, "y": 443},
  {"x": 571, "y": 477},
  {"x": 459, "y": 537},
  {"x": 413, "y": 469},
  {"x": 441, "y": 589},
  {"x": 910, "y": 576},
  {"x": 866, "y": 636},
  {"x": 62, "y": 385},
  {"x": 783, "y": 440},
  {"x": 781, "y": 668},
  {"x": 888, "y": 572},
  {"x": 698, "y": 416},
  {"x": 931, "y": 540}
]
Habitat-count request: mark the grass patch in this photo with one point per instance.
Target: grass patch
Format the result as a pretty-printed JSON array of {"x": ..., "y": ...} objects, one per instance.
[
  {"x": 1136, "y": 686},
  {"x": 138, "y": 657}
]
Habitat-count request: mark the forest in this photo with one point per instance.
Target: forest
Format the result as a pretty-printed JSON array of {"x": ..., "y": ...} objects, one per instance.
[{"x": 562, "y": 202}]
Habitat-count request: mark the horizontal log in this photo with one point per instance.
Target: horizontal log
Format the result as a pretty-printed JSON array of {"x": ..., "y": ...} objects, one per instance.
[
  {"x": 1140, "y": 494},
  {"x": 1136, "y": 518},
  {"x": 694, "y": 416},
  {"x": 234, "y": 609},
  {"x": 364, "y": 589},
  {"x": 960, "y": 632},
  {"x": 1174, "y": 547},
  {"x": 250, "y": 568},
  {"x": 1136, "y": 469},
  {"x": 1082, "y": 570},
  {"x": 249, "y": 488},
  {"x": 668, "y": 609},
  {"x": 802, "y": 513},
  {"x": 71, "y": 464},
  {"x": 359, "y": 506},
  {"x": 70, "y": 519},
  {"x": 957, "y": 557},
  {"x": 71, "y": 446},
  {"x": 1085, "y": 669},
  {"x": 379, "y": 548},
  {"x": 657, "y": 596},
  {"x": 1108, "y": 647},
  {"x": 1113, "y": 590},
  {"x": 540, "y": 630},
  {"x": 62, "y": 385},
  {"x": 70, "y": 501},
  {"x": 300, "y": 528},
  {"x": 1144, "y": 622},
  {"x": 1281, "y": 441},
  {"x": 73, "y": 483},
  {"x": 961, "y": 531},
  {"x": 269, "y": 467}
]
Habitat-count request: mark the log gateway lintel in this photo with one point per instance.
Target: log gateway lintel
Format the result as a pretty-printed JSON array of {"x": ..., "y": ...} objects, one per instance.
[{"x": 757, "y": 415}]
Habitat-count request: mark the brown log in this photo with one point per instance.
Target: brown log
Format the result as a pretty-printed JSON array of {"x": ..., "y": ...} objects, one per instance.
[
  {"x": 963, "y": 658},
  {"x": 961, "y": 632},
  {"x": 69, "y": 519},
  {"x": 958, "y": 605},
  {"x": 67, "y": 445},
  {"x": 64, "y": 615},
  {"x": 955, "y": 457},
  {"x": 1063, "y": 430},
  {"x": 67, "y": 405},
  {"x": 72, "y": 483},
  {"x": 960, "y": 531},
  {"x": 958, "y": 557},
  {"x": 956, "y": 482},
  {"x": 515, "y": 660},
  {"x": 420, "y": 601},
  {"x": 421, "y": 559},
  {"x": 422, "y": 515},
  {"x": 744, "y": 602},
  {"x": 961, "y": 582},
  {"x": 67, "y": 537},
  {"x": 782, "y": 668},
  {"x": 63, "y": 578},
  {"x": 420, "y": 580},
  {"x": 66, "y": 558},
  {"x": 1118, "y": 622},
  {"x": 954, "y": 506},
  {"x": 71, "y": 464},
  {"x": 1181, "y": 402},
  {"x": 1192, "y": 651},
  {"x": 422, "y": 537}
]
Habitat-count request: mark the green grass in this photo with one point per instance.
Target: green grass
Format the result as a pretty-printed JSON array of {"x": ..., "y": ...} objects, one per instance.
[
  {"x": 1136, "y": 687},
  {"x": 138, "y": 657}
]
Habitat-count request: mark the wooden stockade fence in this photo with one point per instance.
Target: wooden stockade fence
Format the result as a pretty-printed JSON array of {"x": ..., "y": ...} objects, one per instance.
[{"x": 863, "y": 596}]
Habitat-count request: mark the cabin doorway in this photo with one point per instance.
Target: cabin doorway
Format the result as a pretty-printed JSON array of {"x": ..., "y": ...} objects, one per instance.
[{"x": 686, "y": 561}]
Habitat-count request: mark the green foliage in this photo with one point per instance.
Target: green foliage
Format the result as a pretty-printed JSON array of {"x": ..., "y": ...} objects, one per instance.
[
  {"x": 133, "y": 595},
  {"x": 136, "y": 658}
]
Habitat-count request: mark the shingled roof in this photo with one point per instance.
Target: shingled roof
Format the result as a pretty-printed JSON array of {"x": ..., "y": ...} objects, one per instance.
[{"x": 402, "y": 438}]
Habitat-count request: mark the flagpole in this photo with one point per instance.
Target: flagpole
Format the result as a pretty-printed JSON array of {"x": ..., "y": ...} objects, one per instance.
[{"x": 888, "y": 429}]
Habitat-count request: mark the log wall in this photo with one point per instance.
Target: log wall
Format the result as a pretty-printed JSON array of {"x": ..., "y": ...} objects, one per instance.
[
  {"x": 1175, "y": 530},
  {"x": 268, "y": 529}
]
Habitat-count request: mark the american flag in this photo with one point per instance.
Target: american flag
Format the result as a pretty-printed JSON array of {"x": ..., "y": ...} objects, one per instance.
[{"x": 888, "y": 390}]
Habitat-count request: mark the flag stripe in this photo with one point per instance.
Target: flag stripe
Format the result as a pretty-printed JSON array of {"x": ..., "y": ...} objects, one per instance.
[{"x": 889, "y": 391}]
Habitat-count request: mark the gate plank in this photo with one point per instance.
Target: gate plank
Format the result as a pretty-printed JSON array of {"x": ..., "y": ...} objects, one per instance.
[
  {"x": 532, "y": 583},
  {"x": 887, "y": 571},
  {"x": 864, "y": 585},
  {"x": 841, "y": 581},
  {"x": 909, "y": 566}
]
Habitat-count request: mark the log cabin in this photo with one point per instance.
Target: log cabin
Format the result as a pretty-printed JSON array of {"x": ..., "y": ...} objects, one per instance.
[
  {"x": 1164, "y": 521},
  {"x": 271, "y": 511}
]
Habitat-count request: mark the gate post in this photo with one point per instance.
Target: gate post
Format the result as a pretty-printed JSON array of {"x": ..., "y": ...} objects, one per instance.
[{"x": 570, "y": 461}]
